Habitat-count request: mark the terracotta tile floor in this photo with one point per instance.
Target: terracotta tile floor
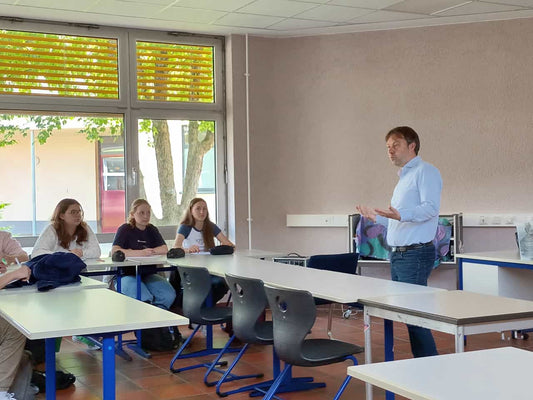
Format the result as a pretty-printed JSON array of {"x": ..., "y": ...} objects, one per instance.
[{"x": 150, "y": 379}]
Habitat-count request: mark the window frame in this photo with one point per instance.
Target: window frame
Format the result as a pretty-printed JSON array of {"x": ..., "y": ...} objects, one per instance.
[{"x": 127, "y": 103}]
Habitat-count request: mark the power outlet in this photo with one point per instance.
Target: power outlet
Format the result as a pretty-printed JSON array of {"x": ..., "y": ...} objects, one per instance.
[{"x": 482, "y": 220}]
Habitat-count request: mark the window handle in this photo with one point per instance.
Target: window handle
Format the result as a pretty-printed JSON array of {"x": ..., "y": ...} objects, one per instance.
[{"x": 134, "y": 176}]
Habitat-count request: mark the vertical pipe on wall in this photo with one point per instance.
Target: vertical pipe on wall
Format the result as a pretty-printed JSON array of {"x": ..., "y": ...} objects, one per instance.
[
  {"x": 247, "y": 77},
  {"x": 33, "y": 187}
]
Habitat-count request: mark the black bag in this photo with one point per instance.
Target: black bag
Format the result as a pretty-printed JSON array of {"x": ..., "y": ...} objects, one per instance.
[
  {"x": 118, "y": 256},
  {"x": 176, "y": 252},
  {"x": 161, "y": 339},
  {"x": 222, "y": 249}
]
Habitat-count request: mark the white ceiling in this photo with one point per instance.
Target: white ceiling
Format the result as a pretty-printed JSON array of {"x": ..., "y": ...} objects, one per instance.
[{"x": 267, "y": 17}]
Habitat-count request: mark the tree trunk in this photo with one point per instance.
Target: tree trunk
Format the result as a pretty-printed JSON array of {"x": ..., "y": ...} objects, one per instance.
[
  {"x": 165, "y": 171},
  {"x": 199, "y": 144}
]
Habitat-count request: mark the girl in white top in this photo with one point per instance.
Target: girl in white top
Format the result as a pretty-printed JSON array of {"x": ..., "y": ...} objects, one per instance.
[
  {"x": 196, "y": 232},
  {"x": 68, "y": 233}
]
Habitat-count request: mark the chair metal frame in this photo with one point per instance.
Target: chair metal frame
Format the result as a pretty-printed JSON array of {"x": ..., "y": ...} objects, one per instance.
[
  {"x": 293, "y": 315},
  {"x": 249, "y": 304},
  {"x": 198, "y": 307}
]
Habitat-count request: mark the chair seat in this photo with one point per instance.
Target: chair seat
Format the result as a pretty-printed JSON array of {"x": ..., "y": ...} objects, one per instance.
[
  {"x": 326, "y": 351},
  {"x": 214, "y": 315}
]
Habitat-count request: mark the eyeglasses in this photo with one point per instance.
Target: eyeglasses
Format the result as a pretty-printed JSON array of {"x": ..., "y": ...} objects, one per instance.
[{"x": 75, "y": 212}]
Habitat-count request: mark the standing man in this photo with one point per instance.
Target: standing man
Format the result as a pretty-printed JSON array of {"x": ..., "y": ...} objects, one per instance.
[{"x": 411, "y": 221}]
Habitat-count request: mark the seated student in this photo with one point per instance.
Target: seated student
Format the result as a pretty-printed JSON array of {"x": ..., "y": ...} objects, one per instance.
[
  {"x": 10, "y": 251},
  {"x": 68, "y": 233},
  {"x": 11, "y": 340},
  {"x": 138, "y": 237},
  {"x": 197, "y": 233}
]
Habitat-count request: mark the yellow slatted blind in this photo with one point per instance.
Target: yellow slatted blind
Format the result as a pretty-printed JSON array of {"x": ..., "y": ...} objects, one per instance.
[
  {"x": 175, "y": 72},
  {"x": 58, "y": 65}
]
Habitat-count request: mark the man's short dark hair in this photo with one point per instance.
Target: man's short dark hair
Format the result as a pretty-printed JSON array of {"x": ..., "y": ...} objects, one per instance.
[{"x": 408, "y": 134}]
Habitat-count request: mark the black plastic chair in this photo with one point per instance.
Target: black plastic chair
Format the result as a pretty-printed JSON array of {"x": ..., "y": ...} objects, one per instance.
[
  {"x": 250, "y": 327},
  {"x": 294, "y": 314},
  {"x": 197, "y": 306},
  {"x": 345, "y": 263}
]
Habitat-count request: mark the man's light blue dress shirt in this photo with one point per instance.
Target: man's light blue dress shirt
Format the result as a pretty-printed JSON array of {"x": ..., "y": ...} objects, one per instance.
[{"x": 417, "y": 198}]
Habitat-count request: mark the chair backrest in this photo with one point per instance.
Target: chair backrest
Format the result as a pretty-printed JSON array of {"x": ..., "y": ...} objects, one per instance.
[
  {"x": 249, "y": 303},
  {"x": 293, "y": 314},
  {"x": 345, "y": 262},
  {"x": 196, "y": 283}
]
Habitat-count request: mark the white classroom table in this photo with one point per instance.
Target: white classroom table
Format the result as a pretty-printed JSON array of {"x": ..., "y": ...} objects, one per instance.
[
  {"x": 84, "y": 283},
  {"x": 494, "y": 374},
  {"x": 334, "y": 286},
  {"x": 514, "y": 275},
  {"x": 455, "y": 312},
  {"x": 107, "y": 267},
  {"x": 48, "y": 315}
]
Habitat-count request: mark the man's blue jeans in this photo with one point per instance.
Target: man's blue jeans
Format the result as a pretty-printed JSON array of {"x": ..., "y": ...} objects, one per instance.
[{"x": 414, "y": 266}]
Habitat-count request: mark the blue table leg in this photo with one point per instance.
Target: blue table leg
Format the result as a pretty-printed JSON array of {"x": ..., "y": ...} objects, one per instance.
[
  {"x": 136, "y": 347},
  {"x": 50, "y": 372},
  {"x": 460, "y": 274},
  {"x": 389, "y": 349},
  {"x": 108, "y": 355}
]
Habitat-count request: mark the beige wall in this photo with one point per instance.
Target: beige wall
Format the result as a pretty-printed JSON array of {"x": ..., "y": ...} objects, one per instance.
[
  {"x": 320, "y": 107},
  {"x": 65, "y": 167}
]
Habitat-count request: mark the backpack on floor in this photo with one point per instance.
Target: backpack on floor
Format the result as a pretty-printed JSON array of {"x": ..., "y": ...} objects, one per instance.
[{"x": 160, "y": 339}]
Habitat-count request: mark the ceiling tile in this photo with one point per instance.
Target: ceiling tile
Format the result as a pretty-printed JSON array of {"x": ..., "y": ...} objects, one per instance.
[
  {"x": 372, "y": 4},
  {"x": 333, "y": 13},
  {"x": 247, "y": 20},
  {"x": 478, "y": 7},
  {"x": 386, "y": 16},
  {"x": 295, "y": 24},
  {"x": 278, "y": 8},
  {"x": 524, "y": 3},
  {"x": 57, "y": 5},
  {"x": 190, "y": 15},
  {"x": 149, "y": 3},
  {"x": 311, "y": 1},
  {"x": 221, "y": 5},
  {"x": 424, "y": 6},
  {"x": 116, "y": 7}
]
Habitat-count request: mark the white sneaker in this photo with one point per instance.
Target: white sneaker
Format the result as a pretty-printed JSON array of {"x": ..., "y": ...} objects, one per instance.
[
  {"x": 82, "y": 339},
  {"x": 7, "y": 396}
]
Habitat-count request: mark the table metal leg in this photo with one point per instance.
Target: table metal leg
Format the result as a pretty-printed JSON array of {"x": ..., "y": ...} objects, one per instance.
[
  {"x": 459, "y": 340},
  {"x": 368, "y": 349},
  {"x": 50, "y": 358},
  {"x": 389, "y": 340},
  {"x": 460, "y": 274},
  {"x": 137, "y": 347},
  {"x": 108, "y": 355},
  {"x": 389, "y": 349}
]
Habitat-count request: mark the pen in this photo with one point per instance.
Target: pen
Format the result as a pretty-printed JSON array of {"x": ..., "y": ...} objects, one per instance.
[{"x": 18, "y": 263}]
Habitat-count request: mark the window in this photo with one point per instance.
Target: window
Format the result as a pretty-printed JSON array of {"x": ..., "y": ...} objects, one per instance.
[
  {"x": 54, "y": 157},
  {"x": 58, "y": 65},
  {"x": 95, "y": 139},
  {"x": 174, "y": 72}
]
